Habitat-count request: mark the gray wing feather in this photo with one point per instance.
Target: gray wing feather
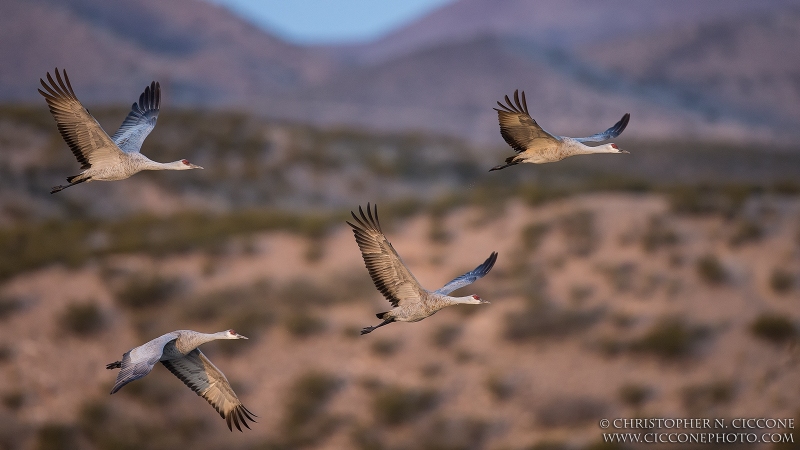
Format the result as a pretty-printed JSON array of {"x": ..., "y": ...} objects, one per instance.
[
  {"x": 202, "y": 377},
  {"x": 140, "y": 121},
  {"x": 139, "y": 361},
  {"x": 390, "y": 275},
  {"x": 610, "y": 133},
  {"x": 518, "y": 128},
  {"x": 469, "y": 277},
  {"x": 86, "y": 138}
]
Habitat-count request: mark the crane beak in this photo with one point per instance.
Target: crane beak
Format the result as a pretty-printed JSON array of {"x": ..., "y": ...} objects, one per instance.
[
  {"x": 193, "y": 166},
  {"x": 237, "y": 334},
  {"x": 624, "y": 151}
]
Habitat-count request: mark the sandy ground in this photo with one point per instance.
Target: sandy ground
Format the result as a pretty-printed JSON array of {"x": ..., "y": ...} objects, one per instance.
[{"x": 561, "y": 384}]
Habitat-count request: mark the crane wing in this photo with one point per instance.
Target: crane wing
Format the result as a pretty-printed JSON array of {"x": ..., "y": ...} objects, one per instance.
[
  {"x": 469, "y": 277},
  {"x": 88, "y": 141},
  {"x": 390, "y": 275},
  {"x": 139, "y": 361},
  {"x": 610, "y": 133},
  {"x": 518, "y": 128},
  {"x": 197, "y": 372},
  {"x": 140, "y": 121}
]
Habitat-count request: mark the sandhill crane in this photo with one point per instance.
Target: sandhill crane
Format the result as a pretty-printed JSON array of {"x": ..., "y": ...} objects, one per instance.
[
  {"x": 105, "y": 158},
  {"x": 411, "y": 301},
  {"x": 178, "y": 352},
  {"x": 534, "y": 145}
]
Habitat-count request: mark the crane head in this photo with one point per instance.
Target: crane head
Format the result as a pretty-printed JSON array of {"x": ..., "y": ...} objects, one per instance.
[
  {"x": 615, "y": 149},
  {"x": 187, "y": 165},
  {"x": 232, "y": 334},
  {"x": 478, "y": 299}
]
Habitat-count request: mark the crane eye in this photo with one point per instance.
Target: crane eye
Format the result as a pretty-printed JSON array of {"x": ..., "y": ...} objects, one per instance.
[
  {"x": 231, "y": 332},
  {"x": 614, "y": 146}
]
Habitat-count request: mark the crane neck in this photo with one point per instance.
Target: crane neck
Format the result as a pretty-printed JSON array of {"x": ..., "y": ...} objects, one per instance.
[{"x": 190, "y": 340}]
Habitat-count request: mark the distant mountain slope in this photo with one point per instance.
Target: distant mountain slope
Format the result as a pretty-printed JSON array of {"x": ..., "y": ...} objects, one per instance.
[
  {"x": 556, "y": 23},
  {"x": 453, "y": 87},
  {"x": 202, "y": 53},
  {"x": 751, "y": 63},
  {"x": 709, "y": 70}
]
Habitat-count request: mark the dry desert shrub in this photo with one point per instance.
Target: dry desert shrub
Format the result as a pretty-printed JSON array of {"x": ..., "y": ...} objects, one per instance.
[
  {"x": 147, "y": 290},
  {"x": 702, "y": 398},
  {"x": 501, "y": 388},
  {"x": 710, "y": 269},
  {"x": 82, "y": 318},
  {"x": 305, "y": 419},
  {"x": 53, "y": 436},
  {"x": 781, "y": 281},
  {"x": 747, "y": 231},
  {"x": 569, "y": 411},
  {"x": 9, "y": 306},
  {"x": 669, "y": 338},
  {"x": 451, "y": 434},
  {"x": 385, "y": 347},
  {"x": 396, "y": 405},
  {"x": 634, "y": 394},
  {"x": 773, "y": 327},
  {"x": 579, "y": 232},
  {"x": 658, "y": 235},
  {"x": 533, "y": 234},
  {"x": 446, "y": 334}
]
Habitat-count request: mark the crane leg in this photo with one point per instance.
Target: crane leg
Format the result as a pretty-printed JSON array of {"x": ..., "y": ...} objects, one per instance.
[
  {"x": 114, "y": 365},
  {"x": 366, "y": 330},
  {"x": 63, "y": 186}
]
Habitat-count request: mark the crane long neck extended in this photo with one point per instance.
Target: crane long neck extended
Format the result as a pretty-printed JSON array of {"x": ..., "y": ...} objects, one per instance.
[
  {"x": 446, "y": 300},
  {"x": 573, "y": 147},
  {"x": 148, "y": 164},
  {"x": 190, "y": 340}
]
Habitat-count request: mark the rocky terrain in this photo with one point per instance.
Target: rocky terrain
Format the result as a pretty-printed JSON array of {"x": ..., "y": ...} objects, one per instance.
[
  {"x": 603, "y": 305},
  {"x": 711, "y": 71}
]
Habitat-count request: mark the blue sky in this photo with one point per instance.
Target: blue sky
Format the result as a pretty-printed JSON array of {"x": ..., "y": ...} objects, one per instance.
[{"x": 331, "y": 21}]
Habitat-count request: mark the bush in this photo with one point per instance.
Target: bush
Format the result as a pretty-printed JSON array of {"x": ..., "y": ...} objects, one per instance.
[
  {"x": 773, "y": 327},
  {"x": 9, "y": 306},
  {"x": 620, "y": 276},
  {"x": 710, "y": 270},
  {"x": 307, "y": 397},
  {"x": 781, "y": 281},
  {"x": 446, "y": 334},
  {"x": 500, "y": 387},
  {"x": 451, "y": 434},
  {"x": 83, "y": 319},
  {"x": 746, "y": 231},
  {"x": 658, "y": 235},
  {"x": 302, "y": 324},
  {"x": 146, "y": 291},
  {"x": 394, "y": 405},
  {"x": 546, "y": 321},
  {"x": 13, "y": 400},
  {"x": 634, "y": 395},
  {"x": 699, "y": 399},
  {"x": 305, "y": 420},
  {"x": 578, "y": 229},
  {"x": 669, "y": 338},
  {"x": 5, "y": 353},
  {"x": 57, "y": 437},
  {"x": 386, "y": 347},
  {"x": 533, "y": 235},
  {"x": 565, "y": 412}
]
